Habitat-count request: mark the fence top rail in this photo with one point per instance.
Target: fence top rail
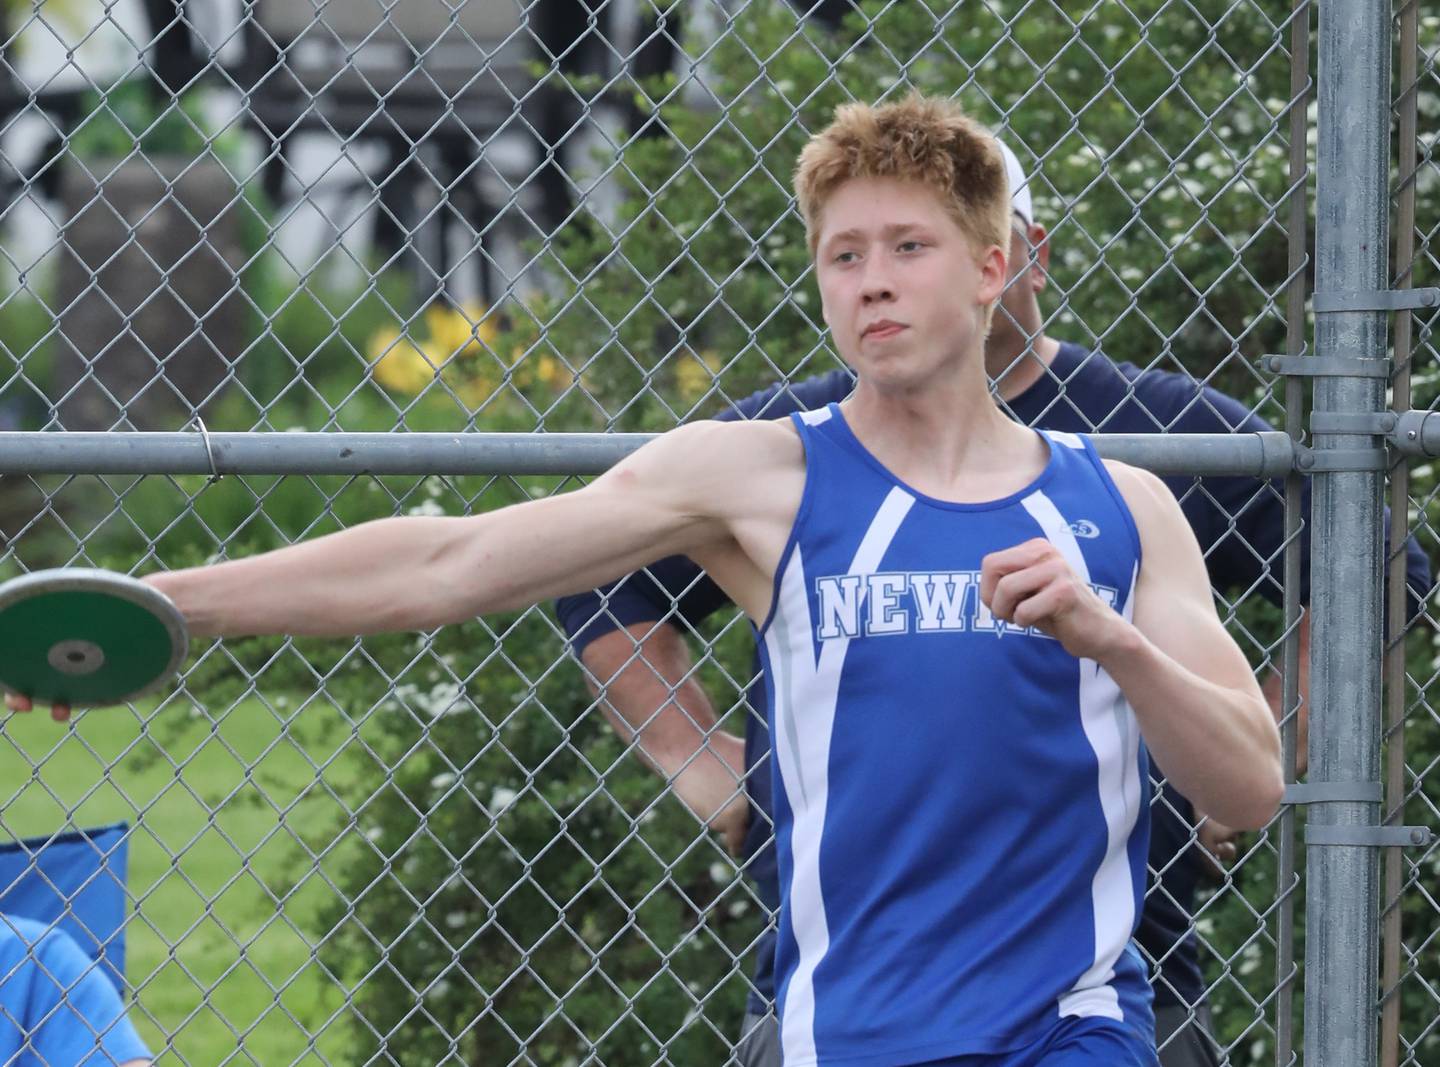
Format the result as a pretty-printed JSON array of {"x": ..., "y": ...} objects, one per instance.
[{"x": 1267, "y": 455}]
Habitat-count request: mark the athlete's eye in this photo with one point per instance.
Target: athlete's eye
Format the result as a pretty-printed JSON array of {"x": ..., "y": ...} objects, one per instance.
[
  {"x": 846, "y": 257},
  {"x": 910, "y": 246}
]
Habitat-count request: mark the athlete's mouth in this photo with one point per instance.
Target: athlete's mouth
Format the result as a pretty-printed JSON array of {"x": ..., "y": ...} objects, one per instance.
[{"x": 882, "y": 329}]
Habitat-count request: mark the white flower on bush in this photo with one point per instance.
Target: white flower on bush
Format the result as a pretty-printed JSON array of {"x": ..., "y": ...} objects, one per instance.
[
  {"x": 402, "y": 695},
  {"x": 443, "y": 780},
  {"x": 500, "y": 800},
  {"x": 1249, "y": 959},
  {"x": 443, "y": 698}
]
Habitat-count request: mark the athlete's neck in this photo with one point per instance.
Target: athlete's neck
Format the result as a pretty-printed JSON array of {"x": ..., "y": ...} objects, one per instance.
[{"x": 949, "y": 440}]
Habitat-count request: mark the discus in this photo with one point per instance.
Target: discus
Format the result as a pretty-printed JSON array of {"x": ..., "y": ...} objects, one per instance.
[{"x": 87, "y": 637}]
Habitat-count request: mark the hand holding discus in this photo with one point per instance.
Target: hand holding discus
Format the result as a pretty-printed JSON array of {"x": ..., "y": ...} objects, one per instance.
[{"x": 77, "y": 637}]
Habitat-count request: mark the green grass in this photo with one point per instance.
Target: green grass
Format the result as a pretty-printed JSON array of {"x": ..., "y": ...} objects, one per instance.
[{"x": 226, "y": 888}]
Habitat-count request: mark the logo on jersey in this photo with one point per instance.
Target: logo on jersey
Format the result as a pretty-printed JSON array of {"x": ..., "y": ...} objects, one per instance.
[
  {"x": 902, "y": 602},
  {"x": 1084, "y": 528}
]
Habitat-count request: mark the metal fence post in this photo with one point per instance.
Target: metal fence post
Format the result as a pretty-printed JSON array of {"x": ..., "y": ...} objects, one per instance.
[{"x": 1351, "y": 257}]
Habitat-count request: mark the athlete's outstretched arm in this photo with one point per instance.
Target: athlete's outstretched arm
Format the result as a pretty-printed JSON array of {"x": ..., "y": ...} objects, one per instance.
[
  {"x": 418, "y": 573},
  {"x": 1200, "y": 710}
]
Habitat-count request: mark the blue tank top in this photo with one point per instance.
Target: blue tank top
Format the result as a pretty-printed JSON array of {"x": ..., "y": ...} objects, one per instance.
[{"x": 960, "y": 804}]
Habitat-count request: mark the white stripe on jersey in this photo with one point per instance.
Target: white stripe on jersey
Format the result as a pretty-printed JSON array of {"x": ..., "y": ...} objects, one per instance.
[
  {"x": 805, "y": 695},
  {"x": 1110, "y": 727}
]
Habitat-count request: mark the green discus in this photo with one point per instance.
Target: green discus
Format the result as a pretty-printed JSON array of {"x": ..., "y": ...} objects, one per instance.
[{"x": 86, "y": 637}]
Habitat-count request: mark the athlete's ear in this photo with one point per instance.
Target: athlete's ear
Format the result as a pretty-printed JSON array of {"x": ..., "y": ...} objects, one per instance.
[{"x": 993, "y": 274}]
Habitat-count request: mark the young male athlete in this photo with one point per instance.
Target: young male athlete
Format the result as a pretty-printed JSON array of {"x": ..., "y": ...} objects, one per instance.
[
  {"x": 630, "y": 635},
  {"x": 965, "y": 624}
]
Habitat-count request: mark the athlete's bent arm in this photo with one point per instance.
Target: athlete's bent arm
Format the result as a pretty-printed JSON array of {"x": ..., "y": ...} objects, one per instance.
[
  {"x": 418, "y": 573},
  {"x": 1200, "y": 710},
  {"x": 1203, "y": 715}
]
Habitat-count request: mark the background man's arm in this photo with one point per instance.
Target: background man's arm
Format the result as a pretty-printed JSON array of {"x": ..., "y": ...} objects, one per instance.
[
  {"x": 1240, "y": 523},
  {"x": 1418, "y": 582},
  {"x": 646, "y": 682},
  {"x": 638, "y": 661},
  {"x": 1275, "y": 696}
]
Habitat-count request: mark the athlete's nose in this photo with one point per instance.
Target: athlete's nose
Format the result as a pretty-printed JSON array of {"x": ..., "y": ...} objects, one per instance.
[{"x": 877, "y": 285}]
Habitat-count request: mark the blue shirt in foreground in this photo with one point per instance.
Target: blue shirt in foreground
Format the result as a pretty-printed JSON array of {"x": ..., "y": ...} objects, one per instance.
[{"x": 57, "y": 1008}]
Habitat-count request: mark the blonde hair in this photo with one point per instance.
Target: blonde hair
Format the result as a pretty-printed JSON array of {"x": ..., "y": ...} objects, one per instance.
[{"x": 925, "y": 139}]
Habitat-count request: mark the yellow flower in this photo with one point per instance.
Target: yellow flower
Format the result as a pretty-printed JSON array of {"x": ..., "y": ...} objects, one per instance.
[
  {"x": 460, "y": 332},
  {"x": 547, "y": 370},
  {"x": 445, "y": 333},
  {"x": 486, "y": 325},
  {"x": 402, "y": 363},
  {"x": 397, "y": 363}
]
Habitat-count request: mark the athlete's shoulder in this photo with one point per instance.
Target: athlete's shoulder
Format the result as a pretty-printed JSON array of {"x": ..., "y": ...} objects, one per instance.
[
  {"x": 1153, "y": 507},
  {"x": 729, "y": 443},
  {"x": 1138, "y": 486},
  {"x": 711, "y": 466}
]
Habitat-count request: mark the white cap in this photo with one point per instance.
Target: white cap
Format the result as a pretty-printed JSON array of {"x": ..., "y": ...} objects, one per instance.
[{"x": 1019, "y": 191}]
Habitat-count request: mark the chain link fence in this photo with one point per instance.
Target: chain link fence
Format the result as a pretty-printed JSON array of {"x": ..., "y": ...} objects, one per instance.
[{"x": 437, "y": 220}]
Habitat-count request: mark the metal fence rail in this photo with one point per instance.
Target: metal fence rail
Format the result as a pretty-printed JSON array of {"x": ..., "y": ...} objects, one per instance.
[
  {"x": 272, "y": 270},
  {"x": 1260, "y": 455}
]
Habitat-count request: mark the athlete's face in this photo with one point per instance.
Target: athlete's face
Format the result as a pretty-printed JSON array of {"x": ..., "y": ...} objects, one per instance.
[{"x": 904, "y": 290}]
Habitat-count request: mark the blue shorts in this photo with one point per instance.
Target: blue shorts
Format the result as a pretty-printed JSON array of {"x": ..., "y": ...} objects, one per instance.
[{"x": 1075, "y": 1042}]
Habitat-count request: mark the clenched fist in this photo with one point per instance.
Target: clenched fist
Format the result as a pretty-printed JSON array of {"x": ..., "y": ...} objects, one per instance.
[{"x": 1033, "y": 585}]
